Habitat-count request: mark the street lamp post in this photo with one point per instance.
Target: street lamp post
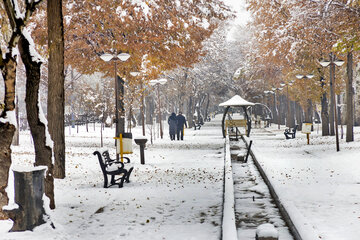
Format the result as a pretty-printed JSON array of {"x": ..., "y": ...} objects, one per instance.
[
  {"x": 332, "y": 62},
  {"x": 308, "y": 76},
  {"x": 157, "y": 83},
  {"x": 122, "y": 57}
]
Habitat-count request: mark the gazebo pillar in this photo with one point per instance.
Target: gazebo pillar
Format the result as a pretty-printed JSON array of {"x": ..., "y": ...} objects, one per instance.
[
  {"x": 248, "y": 120},
  {"x": 223, "y": 121}
]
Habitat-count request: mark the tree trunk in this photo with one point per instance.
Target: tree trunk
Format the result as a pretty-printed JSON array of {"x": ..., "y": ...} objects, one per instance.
[
  {"x": 7, "y": 129},
  {"x": 308, "y": 112},
  {"x": 149, "y": 110},
  {"x": 56, "y": 92},
  {"x": 38, "y": 128},
  {"x": 190, "y": 113},
  {"x": 324, "y": 115},
  {"x": 207, "y": 106},
  {"x": 298, "y": 115},
  {"x": 292, "y": 114},
  {"x": 16, "y": 138},
  {"x": 349, "y": 99},
  {"x": 29, "y": 190}
]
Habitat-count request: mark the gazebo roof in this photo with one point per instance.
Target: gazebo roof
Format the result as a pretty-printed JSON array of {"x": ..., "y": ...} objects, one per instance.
[{"x": 236, "y": 101}]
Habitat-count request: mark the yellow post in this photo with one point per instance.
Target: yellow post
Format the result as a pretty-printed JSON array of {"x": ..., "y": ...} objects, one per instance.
[{"x": 121, "y": 148}]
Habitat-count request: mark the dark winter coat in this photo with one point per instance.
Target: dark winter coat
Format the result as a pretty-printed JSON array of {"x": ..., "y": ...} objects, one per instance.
[
  {"x": 172, "y": 121},
  {"x": 181, "y": 121}
]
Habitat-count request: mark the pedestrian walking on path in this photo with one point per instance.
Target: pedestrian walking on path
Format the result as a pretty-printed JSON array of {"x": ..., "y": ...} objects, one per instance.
[
  {"x": 181, "y": 121},
  {"x": 172, "y": 121}
]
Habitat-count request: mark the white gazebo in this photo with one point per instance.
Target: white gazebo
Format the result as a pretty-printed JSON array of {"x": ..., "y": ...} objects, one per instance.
[{"x": 237, "y": 101}]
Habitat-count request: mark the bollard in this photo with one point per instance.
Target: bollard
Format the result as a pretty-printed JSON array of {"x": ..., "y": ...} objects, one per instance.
[
  {"x": 29, "y": 191},
  {"x": 141, "y": 142}
]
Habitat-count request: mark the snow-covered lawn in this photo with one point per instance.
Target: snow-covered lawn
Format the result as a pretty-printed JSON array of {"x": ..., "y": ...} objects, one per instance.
[
  {"x": 177, "y": 194},
  {"x": 319, "y": 187}
]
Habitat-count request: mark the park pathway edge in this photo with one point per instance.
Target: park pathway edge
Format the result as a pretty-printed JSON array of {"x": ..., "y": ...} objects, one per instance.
[
  {"x": 273, "y": 194},
  {"x": 229, "y": 231}
]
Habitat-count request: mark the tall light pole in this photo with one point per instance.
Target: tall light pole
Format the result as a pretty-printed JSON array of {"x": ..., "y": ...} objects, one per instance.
[
  {"x": 332, "y": 62},
  {"x": 122, "y": 57},
  {"x": 308, "y": 76},
  {"x": 157, "y": 83}
]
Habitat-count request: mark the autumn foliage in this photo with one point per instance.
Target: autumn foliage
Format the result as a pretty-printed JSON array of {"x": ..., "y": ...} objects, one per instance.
[{"x": 290, "y": 37}]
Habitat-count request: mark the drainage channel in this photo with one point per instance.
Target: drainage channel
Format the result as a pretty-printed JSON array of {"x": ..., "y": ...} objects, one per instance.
[{"x": 254, "y": 205}]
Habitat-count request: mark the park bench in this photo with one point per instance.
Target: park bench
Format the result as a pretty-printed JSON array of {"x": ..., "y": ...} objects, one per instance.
[
  {"x": 290, "y": 132},
  {"x": 196, "y": 125},
  {"x": 113, "y": 168}
]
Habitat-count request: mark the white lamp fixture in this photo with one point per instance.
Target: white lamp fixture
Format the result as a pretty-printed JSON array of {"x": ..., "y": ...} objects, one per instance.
[
  {"x": 339, "y": 63},
  {"x": 324, "y": 63},
  {"x": 300, "y": 76},
  {"x": 106, "y": 57},
  {"x": 122, "y": 56},
  {"x": 134, "y": 74},
  {"x": 162, "y": 80},
  {"x": 159, "y": 81}
]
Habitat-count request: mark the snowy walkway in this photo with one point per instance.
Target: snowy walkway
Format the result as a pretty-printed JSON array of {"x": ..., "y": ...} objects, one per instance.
[
  {"x": 253, "y": 203},
  {"x": 178, "y": 194},
  {"x": 319, "y": 187}
]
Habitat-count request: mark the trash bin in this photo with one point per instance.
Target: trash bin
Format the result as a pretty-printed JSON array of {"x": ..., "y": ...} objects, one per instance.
[{"x": 124, "y": 144}]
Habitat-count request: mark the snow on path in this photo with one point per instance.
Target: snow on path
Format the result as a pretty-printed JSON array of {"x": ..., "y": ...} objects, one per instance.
[
  {"x": 319, "y": 187},
  {"x": 177, "y": 194},
  {"x": 253, "y": 203}
]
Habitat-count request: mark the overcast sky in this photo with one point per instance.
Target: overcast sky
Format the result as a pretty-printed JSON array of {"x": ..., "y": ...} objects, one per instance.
[
  {"x": 242, "y": 15},
  {"x": 239, "y": 7}
]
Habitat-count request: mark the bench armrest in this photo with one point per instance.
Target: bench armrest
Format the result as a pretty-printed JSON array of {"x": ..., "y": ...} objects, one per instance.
[{"x": 114, "y": 166}]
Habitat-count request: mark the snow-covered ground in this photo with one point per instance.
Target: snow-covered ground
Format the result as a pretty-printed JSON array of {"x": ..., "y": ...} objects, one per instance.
[
  {"x": 177, "y": 194},
  {"x": 319, "y": 187}
]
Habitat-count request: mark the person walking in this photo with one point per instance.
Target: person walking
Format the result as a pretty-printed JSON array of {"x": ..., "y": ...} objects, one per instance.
[
  {"x": 181, "y": 121},
  {"x": 172, "y": 121}
]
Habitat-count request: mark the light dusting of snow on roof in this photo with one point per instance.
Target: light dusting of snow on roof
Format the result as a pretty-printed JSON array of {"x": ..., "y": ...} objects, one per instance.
[{"x": 236, "y": 101}]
